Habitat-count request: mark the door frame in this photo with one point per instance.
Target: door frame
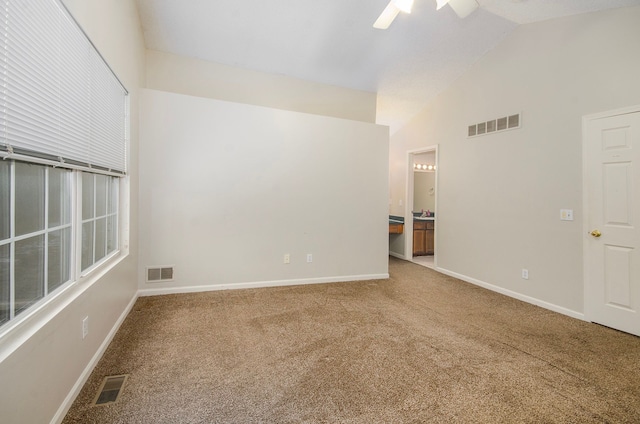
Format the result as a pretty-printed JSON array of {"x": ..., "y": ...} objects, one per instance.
[
  {"x": 408, "y": 212},
  {"x": 586, "y": 222}
]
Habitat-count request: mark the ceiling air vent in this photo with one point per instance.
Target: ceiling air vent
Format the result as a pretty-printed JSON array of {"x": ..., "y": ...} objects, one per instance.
[
  {"x": 494, "y": 125},
  {"x": 159, "y": 274}
]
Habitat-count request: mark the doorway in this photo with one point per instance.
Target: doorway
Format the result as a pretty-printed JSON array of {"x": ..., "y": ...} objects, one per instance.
[
  {"x": 421, "y": 206},
  {"x": 611, "y": 146}
]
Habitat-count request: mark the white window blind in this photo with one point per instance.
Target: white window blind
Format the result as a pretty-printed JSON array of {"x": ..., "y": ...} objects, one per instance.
[{"x": 60, "y": 100}]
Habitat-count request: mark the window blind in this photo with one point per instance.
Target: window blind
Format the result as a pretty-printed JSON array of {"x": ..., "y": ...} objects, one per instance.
[{"x": 61, "y": 101}]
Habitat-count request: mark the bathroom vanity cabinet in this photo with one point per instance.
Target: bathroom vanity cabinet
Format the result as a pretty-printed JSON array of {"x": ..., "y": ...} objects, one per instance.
[{"x": 423, "y": 236}]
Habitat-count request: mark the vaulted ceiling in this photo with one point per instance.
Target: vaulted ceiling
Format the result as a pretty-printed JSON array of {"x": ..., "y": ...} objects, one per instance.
[{"x": 333, "y": 41}]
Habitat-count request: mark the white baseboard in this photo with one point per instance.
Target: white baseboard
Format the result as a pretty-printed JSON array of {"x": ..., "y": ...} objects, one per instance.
[
  {"x": 515, "y": 295},
  {"x": 75, "y": 390},
  {"x": 258, "y": 284},
  {"x": 396, "y": 255}
]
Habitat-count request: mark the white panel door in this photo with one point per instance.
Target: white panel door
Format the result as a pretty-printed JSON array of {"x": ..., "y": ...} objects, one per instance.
[{"x": 612, "y": 208}]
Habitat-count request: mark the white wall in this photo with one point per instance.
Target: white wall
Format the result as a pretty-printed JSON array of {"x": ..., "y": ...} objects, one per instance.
[
  {"x": 227, "y": 189},
  {"x": 45, "y": 359},
  {"x": 178, "y": 74},
  {"x": 500, "y": 195}
]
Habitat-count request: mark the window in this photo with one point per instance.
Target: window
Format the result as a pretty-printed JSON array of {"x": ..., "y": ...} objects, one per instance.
[
  {"x": 37, "y": 229},
  {"x": 63, "y": 153},
  {"x": 35, "y": 234},
  {"x": 99, "y": 217}
]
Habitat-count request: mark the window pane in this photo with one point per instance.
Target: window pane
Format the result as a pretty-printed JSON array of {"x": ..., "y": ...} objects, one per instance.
[
  {"x": 5, "y": 187},
  {"x": 112, "y": 199},
  {"x": 5, "y": 266},
  {"x": 101, "y": 195},
  {"x": 112, "y": 233},
  {"x": 87, "y": 195},
  {"x": 29, "y": 272},
  {"x": 59, "y": 197},
  {"x": 59, "y": 258},
  {"x": 29, "y": 198},
  {"x": 87, "y": 245},
  {"x": 101, "y": 238}
]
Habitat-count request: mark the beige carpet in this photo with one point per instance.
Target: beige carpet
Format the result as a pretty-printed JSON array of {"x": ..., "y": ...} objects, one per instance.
[{"x": 417, "y": 348}]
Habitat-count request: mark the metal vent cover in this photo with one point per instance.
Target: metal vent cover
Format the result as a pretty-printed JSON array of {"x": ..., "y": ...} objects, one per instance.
[
  {"x": 159, "y": 274},
  {"x": 166, "y": 273},
  {"x": 502, "y": 124},
  {"x": 494, "y": 125},
  {"x": 110, "y": 390}
]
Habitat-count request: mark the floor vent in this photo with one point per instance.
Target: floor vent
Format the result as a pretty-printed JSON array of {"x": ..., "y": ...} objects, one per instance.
[
  {"x": 495, "y": 125},
  {"x": 110, "y": 390},
  {"x": 159, "y": 274}
]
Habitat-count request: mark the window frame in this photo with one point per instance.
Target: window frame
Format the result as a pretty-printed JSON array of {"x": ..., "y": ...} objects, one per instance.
[
  {"x": 74, "y": 224},
  {"x": 81, "y": 221}
]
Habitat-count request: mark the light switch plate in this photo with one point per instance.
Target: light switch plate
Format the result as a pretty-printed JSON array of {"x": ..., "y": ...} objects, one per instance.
[{"x": 566, "y": 214}]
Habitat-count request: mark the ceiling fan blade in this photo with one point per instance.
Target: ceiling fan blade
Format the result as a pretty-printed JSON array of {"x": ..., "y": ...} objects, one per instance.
[
  {"x": 387, "y": 16},
  {"x": 463, "y": 8},
  {"x": 440, "y": 4}
]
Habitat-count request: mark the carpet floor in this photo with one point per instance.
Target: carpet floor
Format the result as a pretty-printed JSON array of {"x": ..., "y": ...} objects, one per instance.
[{"x": 419, "y": 347}]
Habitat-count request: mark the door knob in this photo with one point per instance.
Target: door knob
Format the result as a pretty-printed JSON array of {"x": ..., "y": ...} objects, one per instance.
[{"x": 595, "y": 233}]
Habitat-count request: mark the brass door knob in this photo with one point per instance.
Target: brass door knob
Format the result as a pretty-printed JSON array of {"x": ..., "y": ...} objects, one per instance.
[{"x": 595, "y": 233}]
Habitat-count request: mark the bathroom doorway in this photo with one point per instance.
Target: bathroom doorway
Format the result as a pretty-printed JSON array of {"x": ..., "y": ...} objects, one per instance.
[{"x": 421, "y": 206}]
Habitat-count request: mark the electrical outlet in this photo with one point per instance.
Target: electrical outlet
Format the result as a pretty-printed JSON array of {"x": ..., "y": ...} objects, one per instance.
[
  {"x": 287, "y": 258},
  {"x": 85, "y": 327},
  {"x": 309, "y": 257},
  {"x": 525, "y": 273}
]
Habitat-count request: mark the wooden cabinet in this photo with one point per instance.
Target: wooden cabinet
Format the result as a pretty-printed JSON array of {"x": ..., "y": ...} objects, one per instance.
[
  {"x": 419, "y": 238},
  {"x": 423, "y": 236},
  {"x": 395, "y": 228},
  {"x": 429, "y": 236}
]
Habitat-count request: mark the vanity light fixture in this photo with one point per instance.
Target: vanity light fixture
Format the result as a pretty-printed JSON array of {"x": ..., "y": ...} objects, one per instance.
[{"x": 423, "y": 167}]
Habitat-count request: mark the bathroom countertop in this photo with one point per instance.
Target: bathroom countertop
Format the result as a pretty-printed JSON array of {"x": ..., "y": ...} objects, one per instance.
[{"x": 424, "y": 218}]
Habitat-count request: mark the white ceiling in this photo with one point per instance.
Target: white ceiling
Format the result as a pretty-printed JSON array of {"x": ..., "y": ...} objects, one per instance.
[{"x": 333, "y": 41}]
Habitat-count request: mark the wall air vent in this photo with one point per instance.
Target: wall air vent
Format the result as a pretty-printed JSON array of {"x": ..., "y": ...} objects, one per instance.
[
  {"x": 494, "y": 125},
  {"x": 159, "y": 274}
]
